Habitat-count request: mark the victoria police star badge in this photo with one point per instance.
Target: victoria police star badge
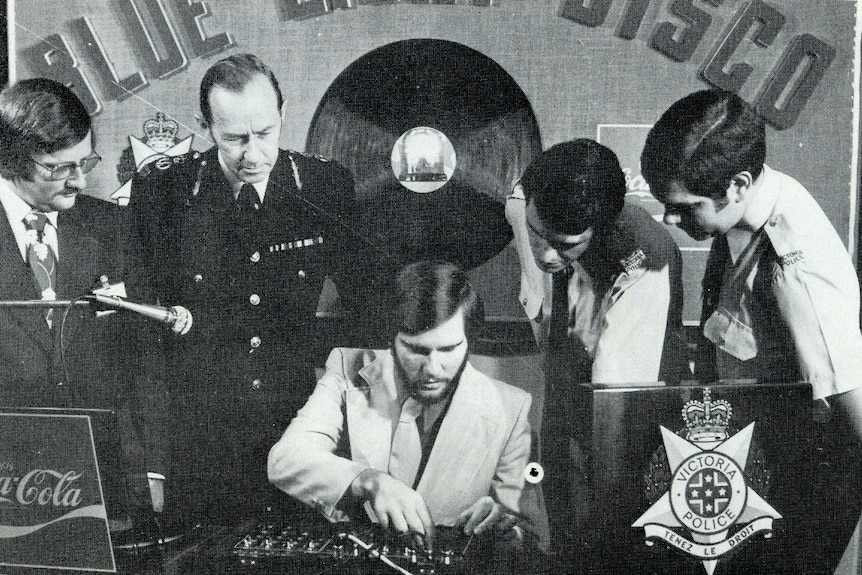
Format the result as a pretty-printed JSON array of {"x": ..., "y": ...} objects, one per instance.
[{"x": 708, "y": 506}]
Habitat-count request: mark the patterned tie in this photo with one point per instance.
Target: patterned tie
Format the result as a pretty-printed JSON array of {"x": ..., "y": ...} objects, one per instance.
[
  {"x": 406, "y": 453},
  {"x": 247, "y": 201},
  {"x": 41, "y": 258}
]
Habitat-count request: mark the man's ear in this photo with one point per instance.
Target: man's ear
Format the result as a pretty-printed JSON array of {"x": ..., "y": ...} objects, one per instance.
[
  {"x": 283, "y": 110},
  {"x": 202, "y": 122},
  {"x": 739, "y": 186}
]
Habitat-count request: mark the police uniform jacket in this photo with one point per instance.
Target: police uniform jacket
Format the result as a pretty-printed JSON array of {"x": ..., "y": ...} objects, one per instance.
[{"x": 252, "y": 282}]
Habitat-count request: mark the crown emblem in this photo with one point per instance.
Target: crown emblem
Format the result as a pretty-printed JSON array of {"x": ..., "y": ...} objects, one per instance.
[
  {"x": 160, "y": 132},
  {"x": 706, "y": 421}
]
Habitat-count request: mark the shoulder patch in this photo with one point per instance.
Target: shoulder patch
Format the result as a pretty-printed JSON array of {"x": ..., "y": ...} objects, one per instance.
[
  {"x": 634, "y": 261},
  {"x": 783, "y": 241},
  {"x": 791, "y": 258}
]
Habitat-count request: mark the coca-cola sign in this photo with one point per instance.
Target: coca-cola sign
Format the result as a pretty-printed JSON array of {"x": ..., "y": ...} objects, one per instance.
[{"x": 52, "y": 509}]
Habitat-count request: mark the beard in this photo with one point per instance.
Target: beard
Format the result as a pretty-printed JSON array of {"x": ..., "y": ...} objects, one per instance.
[{"x": 413, "y": 387}]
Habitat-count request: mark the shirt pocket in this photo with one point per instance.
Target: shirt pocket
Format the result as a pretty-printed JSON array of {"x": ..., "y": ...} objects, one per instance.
[{"x": 730, "y": 335}]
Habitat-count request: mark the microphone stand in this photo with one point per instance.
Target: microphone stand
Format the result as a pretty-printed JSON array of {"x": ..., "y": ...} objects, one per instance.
[{"x": 40, "y": 303}]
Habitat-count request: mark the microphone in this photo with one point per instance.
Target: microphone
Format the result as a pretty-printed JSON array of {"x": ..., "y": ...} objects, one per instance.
[{"x": 177, "y": 317}]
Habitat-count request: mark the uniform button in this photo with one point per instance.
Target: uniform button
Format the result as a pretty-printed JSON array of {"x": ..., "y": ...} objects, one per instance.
[
  {"x": 255, "y": 342},
  {"x": 301, "y": 273},
  {"x": 255, "y": 257},
  {"x": 773, "y": 221},
  {"x": 198, "y": 278},
  {"x": 256, "y": 384},
  {"x": 254, "y": 299}
]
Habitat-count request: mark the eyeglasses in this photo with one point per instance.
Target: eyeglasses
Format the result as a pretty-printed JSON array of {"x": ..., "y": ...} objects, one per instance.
[{"x": 67, "y": 169}]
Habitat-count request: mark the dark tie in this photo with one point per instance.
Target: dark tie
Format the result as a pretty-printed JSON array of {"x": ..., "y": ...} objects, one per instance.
[
  {"x": 41, "y": 258},
  {"x": 558, "y": 331},
  {"x": 247, "y": 201}
]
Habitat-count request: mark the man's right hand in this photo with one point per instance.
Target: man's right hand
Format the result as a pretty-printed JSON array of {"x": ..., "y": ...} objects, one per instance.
[{"x": 397, "y": 506}]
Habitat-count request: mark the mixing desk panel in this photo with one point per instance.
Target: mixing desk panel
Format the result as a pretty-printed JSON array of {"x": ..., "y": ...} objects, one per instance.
[{"x": 270, "y": 547}]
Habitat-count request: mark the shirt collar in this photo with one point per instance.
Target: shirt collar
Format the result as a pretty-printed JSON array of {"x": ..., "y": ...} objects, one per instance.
[
  {"x": 236, "y": 183},
  {"x": 764, "y": 199},
  {"x": 16, "y": 208}
]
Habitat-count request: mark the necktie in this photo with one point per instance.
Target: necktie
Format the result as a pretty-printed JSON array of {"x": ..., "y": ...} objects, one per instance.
[
  {"x": 40, "y": 256},
  {"x": 247, "y": 201},
  {"x": 406, "y": 451},
  {"x": 558, "y": 331}
]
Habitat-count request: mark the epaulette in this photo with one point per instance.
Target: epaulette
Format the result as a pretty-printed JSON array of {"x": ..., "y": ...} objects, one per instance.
[
  {"x": 175, "y": 179},
  {"x": 517, "y": 191},
  {"x": 633, "y": 261},
  {"x": 307, "y": 155},
  {"x": 164, "y": 163}
]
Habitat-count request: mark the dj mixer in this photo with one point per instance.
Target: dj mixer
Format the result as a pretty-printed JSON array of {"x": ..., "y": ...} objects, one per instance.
[{"x": 270, "y": 547}]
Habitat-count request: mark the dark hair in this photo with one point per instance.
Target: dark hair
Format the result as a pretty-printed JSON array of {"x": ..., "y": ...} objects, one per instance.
[
  {"x": 233, "y": 74},
  {"x": 38, "y": 116},
  {"x": 429, "y": 293},
  {"x": 575, "y": 185},
  {"x": 703, "y": 140}
]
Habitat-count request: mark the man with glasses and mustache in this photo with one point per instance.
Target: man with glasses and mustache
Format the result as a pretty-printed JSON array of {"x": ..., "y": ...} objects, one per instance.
[
  {"x": 413, "y": 436},
  {"x": 601, "y": 284},
  {"x": 56, "y": 243}
]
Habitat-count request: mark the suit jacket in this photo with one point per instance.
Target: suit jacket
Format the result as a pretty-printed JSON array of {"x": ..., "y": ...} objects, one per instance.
[
  {"x": 112, "y": 362},
  {"x": 346, "y": 427},
  {"x": 252, "y": 285}
]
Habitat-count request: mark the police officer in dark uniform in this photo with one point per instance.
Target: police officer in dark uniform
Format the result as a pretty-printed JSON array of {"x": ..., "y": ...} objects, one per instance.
[{"x": 243, "y": 235}]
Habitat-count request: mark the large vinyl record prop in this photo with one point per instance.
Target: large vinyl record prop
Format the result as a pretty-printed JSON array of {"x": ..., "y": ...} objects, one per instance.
[{"x": 405, "y": 96}]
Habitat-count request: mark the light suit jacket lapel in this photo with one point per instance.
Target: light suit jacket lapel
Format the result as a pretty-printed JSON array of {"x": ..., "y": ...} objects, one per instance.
[
  {"x": 459, "y": 449},
  {"x": 373, "y": 411}
]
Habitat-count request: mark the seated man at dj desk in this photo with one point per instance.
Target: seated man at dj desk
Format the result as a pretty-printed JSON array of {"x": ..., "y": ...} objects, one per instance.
[{"x": 413, "y": 436}]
